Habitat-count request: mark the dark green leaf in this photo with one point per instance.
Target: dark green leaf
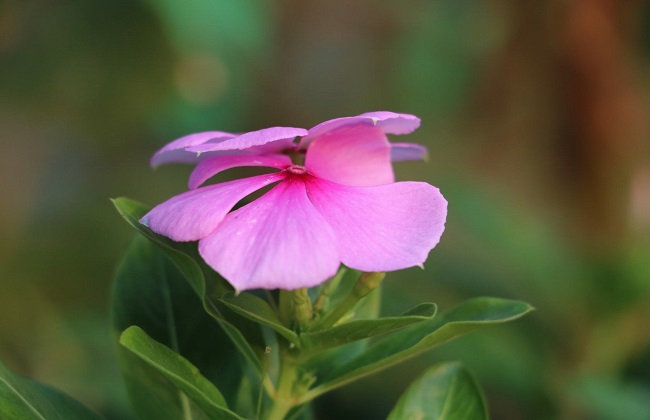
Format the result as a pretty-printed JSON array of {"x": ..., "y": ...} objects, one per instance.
[
  {"x": 179, "y": 371},
  {"x": 414, "y": 340},
  {"x": 22, "y": 399},
  {"x": 244, "y": 334},
  {"x": 445, "y": 392},
  {"x": 150, "y": 292},
  {"x": 364, "y": 328}
]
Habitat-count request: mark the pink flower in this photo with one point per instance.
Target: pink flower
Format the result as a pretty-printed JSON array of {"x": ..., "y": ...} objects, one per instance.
[{"x": 341, "y": 206}]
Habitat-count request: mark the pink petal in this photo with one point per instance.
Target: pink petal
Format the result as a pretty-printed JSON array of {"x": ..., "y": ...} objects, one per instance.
[
  {"x": 195, "y": 214},
  {"x": 277, "y": 241},
  {"x": 175, "y": 151},
  {"x": 212, "y": 166},
  {"x": 357, "y": 155},
  {"x": 381, "y": 228},
  {"x": 252, "y": 139},
  {"x": 389, "y": 122},
  {"x": 274, "y": 147},
  {"x": 408, "y": 151},
  {"x": 393, "y": 123}
]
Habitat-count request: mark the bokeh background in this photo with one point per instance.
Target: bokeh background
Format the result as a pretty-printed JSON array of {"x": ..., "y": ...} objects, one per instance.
[{"x": 536, "y": 114}]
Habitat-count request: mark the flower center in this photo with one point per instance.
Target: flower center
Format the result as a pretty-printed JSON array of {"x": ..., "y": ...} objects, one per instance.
[{"x": 297, "y": 170}]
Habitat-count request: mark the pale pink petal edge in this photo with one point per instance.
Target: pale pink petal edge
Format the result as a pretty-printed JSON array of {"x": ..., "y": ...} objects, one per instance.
[
  {"x": 175, "y": 151},
  {"x": 251, "y": 139},
  {"x": 389, "y": 122}
]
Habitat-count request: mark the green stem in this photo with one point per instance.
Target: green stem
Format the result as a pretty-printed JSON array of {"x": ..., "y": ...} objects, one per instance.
[
  {"x": 283, "y": 398},
  {"x": 295, "y": 309}
]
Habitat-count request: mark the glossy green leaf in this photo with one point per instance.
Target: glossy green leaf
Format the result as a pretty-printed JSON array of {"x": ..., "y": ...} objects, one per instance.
[
  {"x": 444, "y": 392},
  {"x": 365, "y": 328},
  {"x": 414, "y": 340},
  {"x": 179, "y": 371},
  {"x": 259, "y": 311},
  {"x": 22, "y": 399},
  {"x": 244, "y": 334}
]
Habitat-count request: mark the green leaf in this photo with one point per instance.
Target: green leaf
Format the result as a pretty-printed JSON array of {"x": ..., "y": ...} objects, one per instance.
[
  {"x": 364, "y": 328},
  {"x": 345, "y": 286},
  {"x": 414, "y": 340},
  {"x": 259, "y": 311},
  {"x": 149, "y": 291},
  {"x": 22, "y": 398},
  {"x": 244, "y": 334},
  {"x": 444, "y": 392},
  {"x": 179, "y": 371}
]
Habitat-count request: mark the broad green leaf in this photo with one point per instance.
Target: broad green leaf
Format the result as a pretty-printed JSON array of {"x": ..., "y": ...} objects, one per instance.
[
  {"x": 365, "y": 328},
  {"x": 244, "y": 334},
  {"x": 259, "y": 311},
  {"x": 444, "y": 392},
  {"x": 414, "y": 340},
  {"x": 179, "y": 371},
  {"x": 22, "y": 399},
  {"x": 150, "y": 291}
]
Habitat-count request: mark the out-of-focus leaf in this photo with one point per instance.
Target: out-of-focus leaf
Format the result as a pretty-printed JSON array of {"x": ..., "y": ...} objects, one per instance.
[
  {"x": 444, "y": 392},
  {"x": 609, "y": 398},
  {"x": 22, "y": 399},
  {"x": 365, "y": 328},
  {"x": 214, "y": 56},
  {"x": 414, "y": 340},
  {"x": 244, "y": 334},
  {"x": 179, "y": 371}
]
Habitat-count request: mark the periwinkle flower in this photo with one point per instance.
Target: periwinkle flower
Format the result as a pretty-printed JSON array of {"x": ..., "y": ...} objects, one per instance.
[{"x": 341, "y": 206}]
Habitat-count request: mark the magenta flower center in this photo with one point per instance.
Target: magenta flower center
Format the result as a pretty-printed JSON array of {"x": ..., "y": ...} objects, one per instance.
[{"x": 297, "y": 170}]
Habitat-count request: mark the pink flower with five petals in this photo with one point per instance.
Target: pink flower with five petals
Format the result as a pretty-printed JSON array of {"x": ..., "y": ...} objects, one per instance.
[{"x": 341, "y": 206}]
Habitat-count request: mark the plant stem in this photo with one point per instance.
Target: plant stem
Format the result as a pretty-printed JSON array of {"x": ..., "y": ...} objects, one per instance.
[{"x": 283, "y": 398}]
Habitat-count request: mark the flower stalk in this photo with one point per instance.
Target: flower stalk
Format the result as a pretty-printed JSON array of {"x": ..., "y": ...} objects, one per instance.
[{"x": 302, "y": 309}]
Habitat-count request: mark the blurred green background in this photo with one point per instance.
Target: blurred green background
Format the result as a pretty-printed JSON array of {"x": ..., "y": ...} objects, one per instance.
[{"x": 536, "y": 114}]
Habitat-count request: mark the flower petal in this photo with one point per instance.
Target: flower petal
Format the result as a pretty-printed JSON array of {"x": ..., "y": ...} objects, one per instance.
[
  {"x": 393, "y": 123},
  {"x": 277, "y": 241},
  {"x": 381, "y": 228},
  {"x": 195, "y": 214},
  {"x": 357, "y": 155},
  {"x": 408, "y": 151},
  {"x": 212, "y": 166},
  {"x": 389, "y": 122},
  {"x": 251, "y": 139},
  {"x": 175, "y": 151}
]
